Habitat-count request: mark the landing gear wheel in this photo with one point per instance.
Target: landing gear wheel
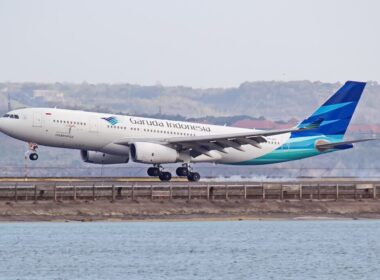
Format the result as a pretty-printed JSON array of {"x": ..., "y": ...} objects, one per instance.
[
  {"x": 165, "y": 176},
  {"x": 33, "y": 156},
  {"x": 193, "y": 177},
  {"x": 182, "y": 171},
  {"x": 153, "y": 171}
]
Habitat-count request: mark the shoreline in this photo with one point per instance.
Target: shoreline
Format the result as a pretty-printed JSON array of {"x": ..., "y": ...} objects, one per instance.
[{"x": 182, "y": 210}]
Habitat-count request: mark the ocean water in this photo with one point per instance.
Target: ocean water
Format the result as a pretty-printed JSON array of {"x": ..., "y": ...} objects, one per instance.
[{"x": 191, "y": 250}]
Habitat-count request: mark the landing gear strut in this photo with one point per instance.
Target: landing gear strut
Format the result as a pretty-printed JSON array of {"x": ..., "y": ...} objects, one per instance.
[
  {"x": 33, "y": 151},
  {"x": 158, "y": 171},
  {"x": 186, "y": 171}
]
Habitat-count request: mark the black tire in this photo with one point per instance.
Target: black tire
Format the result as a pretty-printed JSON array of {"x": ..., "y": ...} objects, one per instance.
[
  {"x": 196, "y": 177},
  {"x": 33, "y": 156},
  {"x": 153, "y": 171},
  {"x": 193, "y": 177},
  {"x": 182, "y": 171},
  {"x": 165, "y": 176}
]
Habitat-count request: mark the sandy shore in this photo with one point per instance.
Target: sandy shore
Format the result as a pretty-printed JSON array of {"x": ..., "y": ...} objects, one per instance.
[{"x": 123, "y": 210}]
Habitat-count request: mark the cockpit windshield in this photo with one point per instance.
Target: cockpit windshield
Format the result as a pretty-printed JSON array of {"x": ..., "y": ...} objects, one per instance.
[{"x": 12, "y": 116}]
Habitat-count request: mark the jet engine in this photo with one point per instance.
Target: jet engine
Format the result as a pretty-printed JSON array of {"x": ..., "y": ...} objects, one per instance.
[
  {"x": 146, "y": 152},
  {"x": 102, "y": 158}
]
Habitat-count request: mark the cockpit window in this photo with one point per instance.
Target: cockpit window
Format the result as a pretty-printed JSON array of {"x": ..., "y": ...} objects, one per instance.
[{"x": 11, "y": 116}]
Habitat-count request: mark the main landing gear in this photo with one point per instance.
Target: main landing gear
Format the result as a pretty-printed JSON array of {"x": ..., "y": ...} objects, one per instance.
[
  {"x": 33, "y": 151},
  {"x": 186, "y": 171},
  {"x": 183, "y": 171},
  {"x": 158, "y": 171}
]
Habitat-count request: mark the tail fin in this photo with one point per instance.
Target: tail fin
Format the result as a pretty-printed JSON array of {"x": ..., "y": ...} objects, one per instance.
[{"x": 335, "y": 114}]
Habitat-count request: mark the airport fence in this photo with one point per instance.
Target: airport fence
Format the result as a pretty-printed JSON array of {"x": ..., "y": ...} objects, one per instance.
[{"x": 124, "y": 191}]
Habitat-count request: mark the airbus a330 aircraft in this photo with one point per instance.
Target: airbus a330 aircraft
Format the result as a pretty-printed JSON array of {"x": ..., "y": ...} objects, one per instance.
[{"x": 111, "y": 139}]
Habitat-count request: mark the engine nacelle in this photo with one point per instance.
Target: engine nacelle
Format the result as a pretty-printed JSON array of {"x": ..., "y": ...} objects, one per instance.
[
  {"x": 145, "y": 152},
  {"x": 102, "y": 158}
]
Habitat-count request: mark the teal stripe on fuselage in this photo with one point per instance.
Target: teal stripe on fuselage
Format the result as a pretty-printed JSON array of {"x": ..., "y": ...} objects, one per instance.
[{"x": 293, "y": 149}]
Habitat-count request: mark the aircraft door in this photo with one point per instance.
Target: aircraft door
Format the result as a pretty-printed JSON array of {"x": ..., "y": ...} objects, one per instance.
[
  {"x": 37, "y": 119},
  {"x": 93, "y": 125}
]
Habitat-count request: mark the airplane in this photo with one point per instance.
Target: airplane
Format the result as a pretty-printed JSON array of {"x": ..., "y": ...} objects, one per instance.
[{"x": 114, "y": 139}]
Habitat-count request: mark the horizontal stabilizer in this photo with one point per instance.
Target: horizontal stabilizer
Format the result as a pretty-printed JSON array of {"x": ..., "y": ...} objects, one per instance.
[{"x": 340, "y": 145}]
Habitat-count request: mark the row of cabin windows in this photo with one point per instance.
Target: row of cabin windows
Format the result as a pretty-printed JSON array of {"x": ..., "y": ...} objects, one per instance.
[
  {"x": 272, "y": 142},
  {"x": 11, "y": 116},
  {"x": 169, "y": 132},
  {"x": 152, "y": 130},
  {"x": 69, "y": 122},
  {"x": 117, "y": 127}
]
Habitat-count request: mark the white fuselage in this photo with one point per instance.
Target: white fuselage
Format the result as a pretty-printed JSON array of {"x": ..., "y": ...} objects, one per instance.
[{"x": 98, "y": 132}]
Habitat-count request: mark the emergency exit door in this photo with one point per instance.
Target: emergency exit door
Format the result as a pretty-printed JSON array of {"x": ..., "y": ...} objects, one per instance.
[{"x": 37, "y": 119}]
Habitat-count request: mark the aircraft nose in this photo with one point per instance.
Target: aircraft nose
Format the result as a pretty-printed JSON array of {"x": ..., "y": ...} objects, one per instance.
[{"x": 1, "y": 123}]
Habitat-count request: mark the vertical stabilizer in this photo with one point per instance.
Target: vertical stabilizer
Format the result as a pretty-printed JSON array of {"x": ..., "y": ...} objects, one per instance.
[{"x": 335, "y": 114}]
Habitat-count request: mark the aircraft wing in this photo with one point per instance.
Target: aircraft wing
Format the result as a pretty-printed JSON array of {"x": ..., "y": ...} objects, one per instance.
[{"x": 206, "y": 143}]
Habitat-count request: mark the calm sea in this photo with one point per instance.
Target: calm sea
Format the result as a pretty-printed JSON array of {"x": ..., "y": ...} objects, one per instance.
[{"x": 191, "y": 250}]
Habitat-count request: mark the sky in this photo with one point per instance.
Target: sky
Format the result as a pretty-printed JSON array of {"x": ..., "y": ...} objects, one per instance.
[{"x": 198, "y": 43}]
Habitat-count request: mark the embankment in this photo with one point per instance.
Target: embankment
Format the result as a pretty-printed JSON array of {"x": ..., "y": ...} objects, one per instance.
[{"x": 186, "y": 210}]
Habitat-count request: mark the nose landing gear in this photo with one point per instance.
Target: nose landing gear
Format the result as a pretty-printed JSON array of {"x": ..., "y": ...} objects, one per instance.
[
  {"x": 33, "y": 156},
  {"x": 33, "y": 151}
]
